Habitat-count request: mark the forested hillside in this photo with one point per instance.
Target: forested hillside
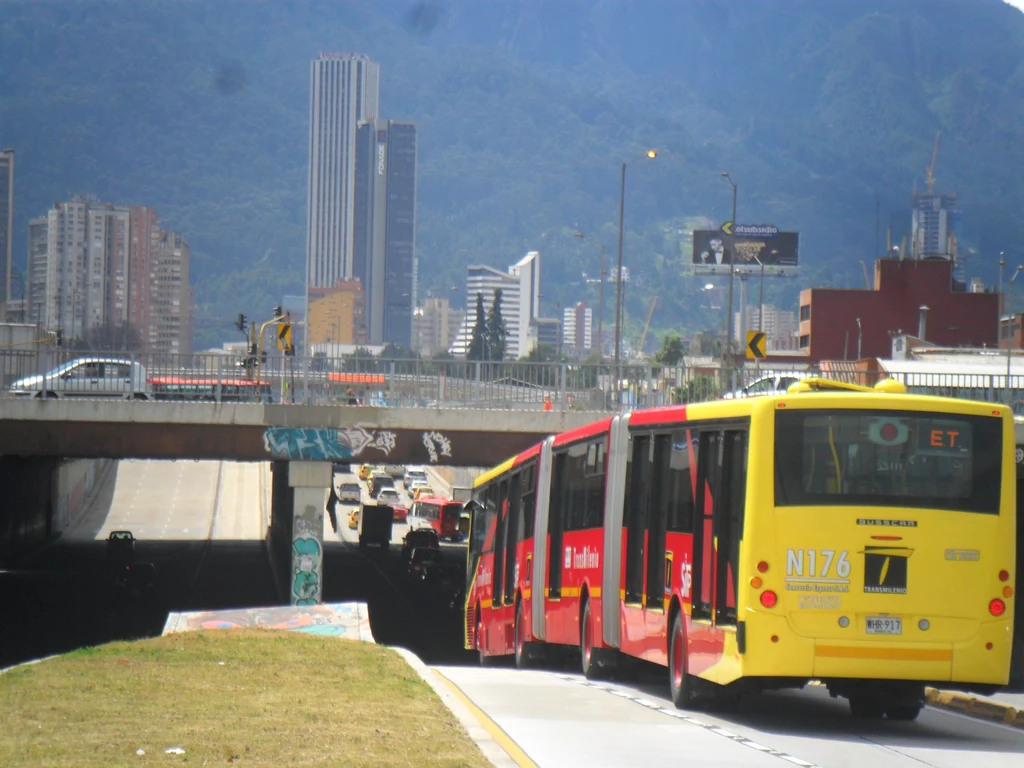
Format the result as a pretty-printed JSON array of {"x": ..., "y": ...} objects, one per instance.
[{"x": 526, "y": 110}]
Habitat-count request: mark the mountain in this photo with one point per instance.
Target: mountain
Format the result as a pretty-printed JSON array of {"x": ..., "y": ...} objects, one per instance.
[{"x": 823, "y": 113}]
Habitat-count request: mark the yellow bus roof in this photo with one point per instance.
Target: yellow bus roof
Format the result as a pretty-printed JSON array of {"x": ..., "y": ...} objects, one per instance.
[{"x": 490, "y": 474}]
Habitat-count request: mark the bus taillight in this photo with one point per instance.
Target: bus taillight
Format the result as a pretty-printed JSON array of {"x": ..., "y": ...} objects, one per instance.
[
  {"x": 769, "y": 599},
  {"x": 763, "y": 567},
  {"x": 996, "y": 607},
  {"x": 1004, "y": 575}
]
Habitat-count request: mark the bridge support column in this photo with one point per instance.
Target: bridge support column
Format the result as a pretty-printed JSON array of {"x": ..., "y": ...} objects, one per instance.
[{"x": 308, "y": 482}]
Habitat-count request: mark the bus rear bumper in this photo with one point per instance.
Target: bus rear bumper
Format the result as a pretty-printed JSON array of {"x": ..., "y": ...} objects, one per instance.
[{"x": 774, "y": 650}]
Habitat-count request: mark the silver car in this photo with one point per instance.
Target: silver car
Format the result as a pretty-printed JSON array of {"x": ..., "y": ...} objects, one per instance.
[
  {"x": 775, "y": 384},
  {"x": 87, "y": 377}
]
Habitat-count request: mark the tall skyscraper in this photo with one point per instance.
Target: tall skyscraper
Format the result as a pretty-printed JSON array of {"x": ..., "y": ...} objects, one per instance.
[
  {"x": 344, "y": 92},
  {"x": 6, "y": 228},
  {"x": 400, "y": 249},
  {"x": 384, "y": 240}
]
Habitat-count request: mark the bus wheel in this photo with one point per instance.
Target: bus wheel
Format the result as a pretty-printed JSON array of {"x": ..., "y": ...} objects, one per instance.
[
  {"x": 593, "y": 661},
  {"x": 904, "y": 712},
  {"x": 866, "y": 706},
  {"x": 680, "y": 682},
  {"x": 525, "y": 655}
]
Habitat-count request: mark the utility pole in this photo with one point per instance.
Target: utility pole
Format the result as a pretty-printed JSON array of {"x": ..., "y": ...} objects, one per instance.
[{"x": 732, "y": 270}]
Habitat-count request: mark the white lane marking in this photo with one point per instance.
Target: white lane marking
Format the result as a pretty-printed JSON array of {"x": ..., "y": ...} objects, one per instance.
[{"x": 710, "y": 727}]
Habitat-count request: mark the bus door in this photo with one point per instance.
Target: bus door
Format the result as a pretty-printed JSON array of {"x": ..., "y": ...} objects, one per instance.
[
  {"x": 721, "y": 473},
  {"x": 555, "y": 620},
  {"x": 634, "y": 520},
  {"x": 511, "y": 548},
  {"x": 729, "y": 523},
  {"x": 657, "y": 517},
  {"x": 450, "y": 514},
  {"x": 501, "y": 531}
]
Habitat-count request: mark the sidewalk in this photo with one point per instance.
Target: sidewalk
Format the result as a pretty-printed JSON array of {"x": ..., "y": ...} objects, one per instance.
[{"x": 1005, "y": 708}]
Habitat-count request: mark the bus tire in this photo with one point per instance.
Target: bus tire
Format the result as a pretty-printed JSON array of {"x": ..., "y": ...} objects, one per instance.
[
  {"x": 866, "y": 706},
  {"x": 681, "y": 684},
  {"x": 903, "y": 712},
  {"x": 594, "y": 662}
]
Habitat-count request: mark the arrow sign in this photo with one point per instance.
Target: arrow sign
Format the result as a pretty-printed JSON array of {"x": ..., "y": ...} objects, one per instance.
[
  {"x": 755, "y": 345},
  {"x": 284, "y": 336},
  {"x": 727, "y": 228}
]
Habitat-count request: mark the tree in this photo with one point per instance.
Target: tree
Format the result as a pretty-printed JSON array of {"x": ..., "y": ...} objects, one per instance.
[
  {"x": 111, "y": 336},
  {"x": 497, "y": 332},
  {"x": 392, "y": 351},
  {"x": 671, "y": 351},
  {"x": 478, "y": 341}
]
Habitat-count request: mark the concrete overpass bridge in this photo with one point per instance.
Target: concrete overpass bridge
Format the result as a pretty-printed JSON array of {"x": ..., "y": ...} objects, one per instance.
[
  {"x": 47, "y": 444},
  {"x": 91, "y": 429}
]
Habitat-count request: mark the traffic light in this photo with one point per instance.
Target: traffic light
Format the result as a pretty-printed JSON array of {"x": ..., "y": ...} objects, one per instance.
[
  {"x": 240, "y": 322},
  {"x": 59, "y": 337},
  {"x": 277, "y": 311}
]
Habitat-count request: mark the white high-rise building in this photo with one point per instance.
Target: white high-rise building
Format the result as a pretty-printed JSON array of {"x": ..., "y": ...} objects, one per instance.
[
  {"x": 520, "y": 297},
  {"x": 343, "y": 92},
  {"x": 78, "y": 263},
  {"x": 577, "y": 325}
]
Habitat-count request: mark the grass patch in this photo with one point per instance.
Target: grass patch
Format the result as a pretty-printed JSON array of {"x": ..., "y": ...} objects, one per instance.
[{"x": 251, "y": 697}]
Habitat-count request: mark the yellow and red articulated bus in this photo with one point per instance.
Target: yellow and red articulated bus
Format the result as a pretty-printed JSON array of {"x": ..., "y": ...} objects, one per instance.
[{"x": 865, "y": 538}]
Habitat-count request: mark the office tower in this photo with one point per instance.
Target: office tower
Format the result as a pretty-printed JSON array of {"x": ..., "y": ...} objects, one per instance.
[
  {"x": 337, "y": 314},
  {"x": 577, "y": 325},
  {"x": 144, "y": 234},
  {"x": 435, "y": 326},
  {"x": 520, "y": 295},
  {"x": 384, "y": 229},
  {"x": 935, "y": 224},
  {"x": 343, "y": 93},
  {"x": 6, "y": 229},
  {"x": 167, "y": 322}
]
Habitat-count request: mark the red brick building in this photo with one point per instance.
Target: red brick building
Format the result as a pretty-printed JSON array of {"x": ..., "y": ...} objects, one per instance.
[{"x": 829, "y": 328}]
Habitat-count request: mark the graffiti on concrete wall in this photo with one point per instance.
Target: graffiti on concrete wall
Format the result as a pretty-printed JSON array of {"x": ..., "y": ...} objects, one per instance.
[
  {"x": 325, "y": 444},
  {"x": 307, "y": 556},
  {"x": 350, "y": 620},
  {"x": 436, "y": 444}
]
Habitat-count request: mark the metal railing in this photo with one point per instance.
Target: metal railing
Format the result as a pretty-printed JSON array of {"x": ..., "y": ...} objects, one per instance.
[{"x": 561, "y": 386}]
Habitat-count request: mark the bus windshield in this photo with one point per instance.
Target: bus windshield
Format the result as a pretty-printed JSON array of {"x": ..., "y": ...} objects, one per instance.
[{"x": 888, "y": 459}]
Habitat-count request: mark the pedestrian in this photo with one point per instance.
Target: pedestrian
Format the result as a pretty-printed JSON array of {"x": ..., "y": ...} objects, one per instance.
[
  {"x": 332, "y": 503},
  {"x": 351, "y": 397}
]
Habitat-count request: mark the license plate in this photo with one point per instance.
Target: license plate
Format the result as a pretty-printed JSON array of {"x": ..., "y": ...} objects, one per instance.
[{"x": 884, "y": 625}]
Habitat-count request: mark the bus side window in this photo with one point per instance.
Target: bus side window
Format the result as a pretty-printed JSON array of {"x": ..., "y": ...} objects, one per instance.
[
  {"x": 680, "y": 483},
  {"x": 593, "y": 516},
  {"x": 576, "y": 486},
  {"x": 529, "y": 491}
]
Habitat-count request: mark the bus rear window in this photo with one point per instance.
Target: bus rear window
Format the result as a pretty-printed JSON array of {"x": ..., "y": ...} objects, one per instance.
[{"x": 888, "y": 459}]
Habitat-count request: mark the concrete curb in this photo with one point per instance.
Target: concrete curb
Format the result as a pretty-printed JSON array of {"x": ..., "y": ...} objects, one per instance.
[
  {"x": 492, "y": 750},
  {"x": 972, "y": 706}
]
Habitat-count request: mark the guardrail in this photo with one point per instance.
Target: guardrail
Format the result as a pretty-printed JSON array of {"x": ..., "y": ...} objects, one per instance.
[{"x": 205, "y": 377}]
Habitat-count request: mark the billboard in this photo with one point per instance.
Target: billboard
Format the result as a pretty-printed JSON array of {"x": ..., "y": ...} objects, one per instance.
[{"x": 778, "y": 251}]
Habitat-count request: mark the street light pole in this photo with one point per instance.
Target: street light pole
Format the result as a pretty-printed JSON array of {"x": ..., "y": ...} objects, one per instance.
[
  {"x": 1009, "y": 337},
  {"x": 618, "y": 275},
  {"x": 999, "y": 318},
  {"x": 860, "y": 335},
  {"x": 600, "y": 311},
  {"x": 732, "y": 270}
]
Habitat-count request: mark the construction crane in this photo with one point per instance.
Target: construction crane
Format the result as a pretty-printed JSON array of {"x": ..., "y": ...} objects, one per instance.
[
  {"x": 929, "y": 172},
  {"x": 647, "y": 326},
  {"x": 867, "y": 283}
]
